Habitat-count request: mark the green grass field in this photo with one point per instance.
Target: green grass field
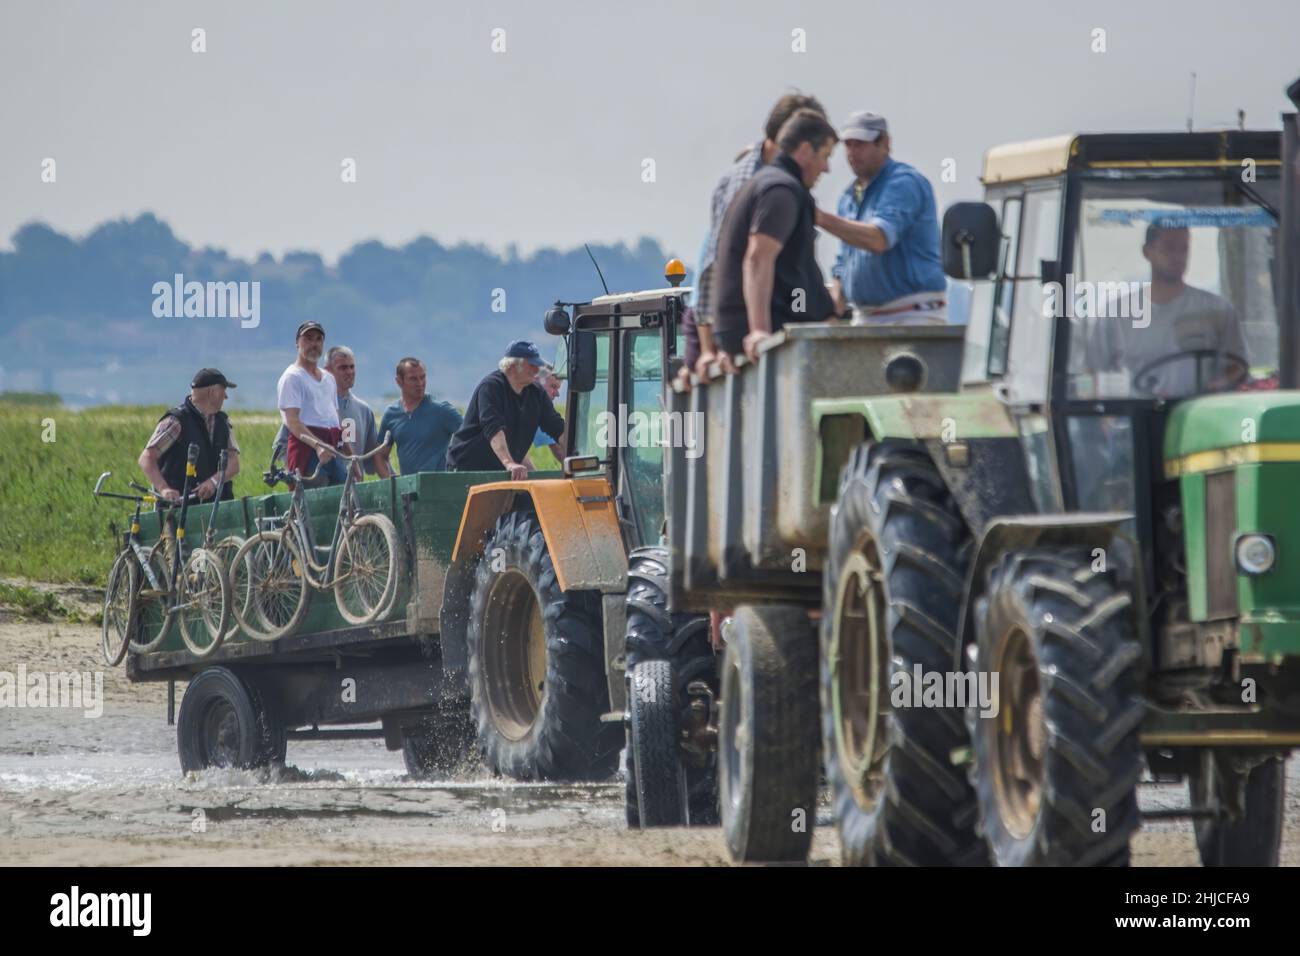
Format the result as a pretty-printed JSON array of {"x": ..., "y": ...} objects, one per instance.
[{"x": 51, "y": 528}]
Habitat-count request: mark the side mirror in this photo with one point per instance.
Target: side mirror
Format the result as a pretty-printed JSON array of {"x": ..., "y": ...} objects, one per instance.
[
  {"x": 582, "y": 369},
  {"x": 971, "y": 239}
]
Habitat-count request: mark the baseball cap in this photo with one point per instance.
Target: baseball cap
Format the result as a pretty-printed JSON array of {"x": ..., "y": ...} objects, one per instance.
[
  {"x": 866, "y": 126},
  {"x": 526, "y": 351},
  {"x": 307, "y": 327},
  {"x": 210, "y": 376}
]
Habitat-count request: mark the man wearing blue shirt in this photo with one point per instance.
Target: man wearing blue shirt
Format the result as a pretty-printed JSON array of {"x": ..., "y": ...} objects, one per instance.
[
  {"x": 421, "y": 428},
  {"x": 888, "y": 269}
]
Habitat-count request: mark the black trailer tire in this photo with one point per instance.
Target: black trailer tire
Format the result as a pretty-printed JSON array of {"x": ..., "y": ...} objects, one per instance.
[
  {"x": 442, "y": 744},
  {"x": 767, "y": 761},
  {"x": 655, "y": 742},
  {"x": 683, "y": 639},
  {"x": 537, "y": 664},
  {"x": 1256, "y": 838},
  {"x": 1056, "y": 769},
  {"x": 225, "y": 722},
  {"x": 898, "y": 797}
]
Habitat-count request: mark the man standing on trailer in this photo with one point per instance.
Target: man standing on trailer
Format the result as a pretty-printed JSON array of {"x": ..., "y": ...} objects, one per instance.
[
  {"x": 307, "y": 397},
  {"x": 200, "y": 421},
  {"x": 767, "y": 272},
  {"x": 889, "y": 269},
  {"x": 700, "y": 349}
]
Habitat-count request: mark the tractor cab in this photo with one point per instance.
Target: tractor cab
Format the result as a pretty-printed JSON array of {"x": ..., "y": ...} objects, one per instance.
[
  {"x": 1136, "y": 322},
  {"x": 617, "y": 352}
]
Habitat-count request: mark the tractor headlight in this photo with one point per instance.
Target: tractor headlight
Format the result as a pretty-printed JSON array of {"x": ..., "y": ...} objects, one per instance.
[{"x": 1256, "y": 553}]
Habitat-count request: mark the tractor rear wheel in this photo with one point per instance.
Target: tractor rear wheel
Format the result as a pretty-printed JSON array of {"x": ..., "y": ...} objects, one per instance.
[
  {"x": 892, "y": 593},
  {"x": 537, "y": 664}
]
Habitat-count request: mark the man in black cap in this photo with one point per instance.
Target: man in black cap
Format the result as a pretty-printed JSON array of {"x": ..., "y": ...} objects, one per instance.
[
  {"x": 200, "y": 421},
  {"x": 504, "y": 413}
]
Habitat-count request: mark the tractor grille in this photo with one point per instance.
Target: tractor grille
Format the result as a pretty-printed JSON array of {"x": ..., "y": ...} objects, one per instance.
[{"x": 1220, "y": 524}]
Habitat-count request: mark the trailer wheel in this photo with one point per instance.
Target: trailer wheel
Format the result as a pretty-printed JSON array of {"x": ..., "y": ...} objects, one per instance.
[
  {"x": 892, "y": 592},
  {"x": 655, "y": 761},
  {"x": 1256, "y": 838},
  {"x": 653, "y": 633},
  {"x": 442, "y": 744},
  {"x": 225, "y": 722},
  {"x": 537, "y": 664},
  {"x": 767, "y": 762},
  {"x": 1056, "y": 768}
]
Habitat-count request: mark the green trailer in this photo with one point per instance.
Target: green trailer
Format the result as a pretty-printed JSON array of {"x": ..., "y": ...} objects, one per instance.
[{"x": 249, "y": 697}]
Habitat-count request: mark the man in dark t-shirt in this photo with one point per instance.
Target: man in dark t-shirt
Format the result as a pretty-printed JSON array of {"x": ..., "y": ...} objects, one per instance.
[
  {"x": 766, "y": 266},
  {"x": 504, "y": 413}
]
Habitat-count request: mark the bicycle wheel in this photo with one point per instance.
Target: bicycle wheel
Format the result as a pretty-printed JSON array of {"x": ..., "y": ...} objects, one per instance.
[
  {"x": 203, "y": 594},
  {"x": 119, "y": 608},
  {"x": 367, "y": 570},
  {"x": 226, "y": 549},
  {"x": 153, "y": 617},
  {"x": 277, "y": 587}
]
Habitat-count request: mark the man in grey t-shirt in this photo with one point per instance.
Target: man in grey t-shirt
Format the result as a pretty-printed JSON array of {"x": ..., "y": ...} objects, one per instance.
[{"x": 1185, "y": 321}]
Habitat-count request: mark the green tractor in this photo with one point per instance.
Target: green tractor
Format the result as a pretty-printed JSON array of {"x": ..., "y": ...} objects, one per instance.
[{"x": 1083, "y": 567}]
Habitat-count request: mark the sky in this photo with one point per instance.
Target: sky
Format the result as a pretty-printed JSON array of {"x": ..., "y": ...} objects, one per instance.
[{"x": 540, "y": 135}]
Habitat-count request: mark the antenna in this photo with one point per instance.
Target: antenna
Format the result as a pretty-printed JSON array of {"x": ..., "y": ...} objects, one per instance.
[
  {"x": 597, "y": 265},
  {"x": 1191, "y": 103}
]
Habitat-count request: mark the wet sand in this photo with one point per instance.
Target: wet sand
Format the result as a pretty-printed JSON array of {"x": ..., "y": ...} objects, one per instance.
[{"x": 108, "y": 790}]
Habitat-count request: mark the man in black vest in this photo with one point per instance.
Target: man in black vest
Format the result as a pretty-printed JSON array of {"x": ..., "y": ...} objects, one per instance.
[
  {"x": 200, "y": 421},
  {"x": 766, "y": 271}
]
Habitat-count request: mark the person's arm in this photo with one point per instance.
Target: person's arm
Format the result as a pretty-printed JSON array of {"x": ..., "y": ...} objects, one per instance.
[
  {"x": 501, "y": 449},
  {"x": 708, "y": 350},
  {"x": 837, "y": 296},
  {"x": 148, "y": 462},
  {"x": 863, "y": 235},
  {"x": 162, "y": 438},
  {"x": 554, "y": 425},
  {"x": 758, "y": 273},
  {"x": 383, "y": 463},
  {"x": 301, "y": 432}
]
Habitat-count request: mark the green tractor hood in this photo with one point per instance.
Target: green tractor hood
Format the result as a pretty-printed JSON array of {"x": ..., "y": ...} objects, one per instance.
[{"x": 1218, "y": 431}]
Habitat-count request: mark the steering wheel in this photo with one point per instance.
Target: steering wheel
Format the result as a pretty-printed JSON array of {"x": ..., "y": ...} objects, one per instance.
[{"x": 1229, "y": 358}]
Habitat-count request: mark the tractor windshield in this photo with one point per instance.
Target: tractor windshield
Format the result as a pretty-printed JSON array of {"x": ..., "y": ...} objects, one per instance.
[{"x": 1171, "y": 292}]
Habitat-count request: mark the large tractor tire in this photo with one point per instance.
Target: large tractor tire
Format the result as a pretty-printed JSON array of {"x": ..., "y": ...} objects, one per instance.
[
  {"x": 682, "y": 640},
  {"x": 442, "y": 744},
  {"x": 537, "y": 664},
  {"x": 767, "y": 762},
  {"x": 891, "y": 600},
  {"x": 1057, "y": 766},
  {"x": 1255, "y": 838},
  {"x": 225, "y": 722}
]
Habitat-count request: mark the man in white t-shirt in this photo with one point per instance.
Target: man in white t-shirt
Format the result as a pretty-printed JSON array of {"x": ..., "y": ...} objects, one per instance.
[{"x": 307, "y": 397}]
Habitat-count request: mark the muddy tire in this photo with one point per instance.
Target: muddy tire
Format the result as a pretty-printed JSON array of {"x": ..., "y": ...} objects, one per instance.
[
  {"x": 225, "y": 722},
  {"x": 654, "y": 738},
  {"x": 441, "y": 745},
  {"x": 537, "y": 664},
  {"x": 892, "y": 592},
  {"x": 767, "y": 761},
  {"x": 1256, "y": 838},
  {"x": 655, "y": 634},
  {"x": 1057, "y": 768}
]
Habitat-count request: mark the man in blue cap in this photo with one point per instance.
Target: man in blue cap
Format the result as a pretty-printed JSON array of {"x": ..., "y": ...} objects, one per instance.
[{"x": 503, "y": 415}]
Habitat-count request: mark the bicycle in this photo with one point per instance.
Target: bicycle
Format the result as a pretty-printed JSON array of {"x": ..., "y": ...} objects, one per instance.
[
  {"x": 277, "y": 568},
  {"x": 148, "y": 589}
]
